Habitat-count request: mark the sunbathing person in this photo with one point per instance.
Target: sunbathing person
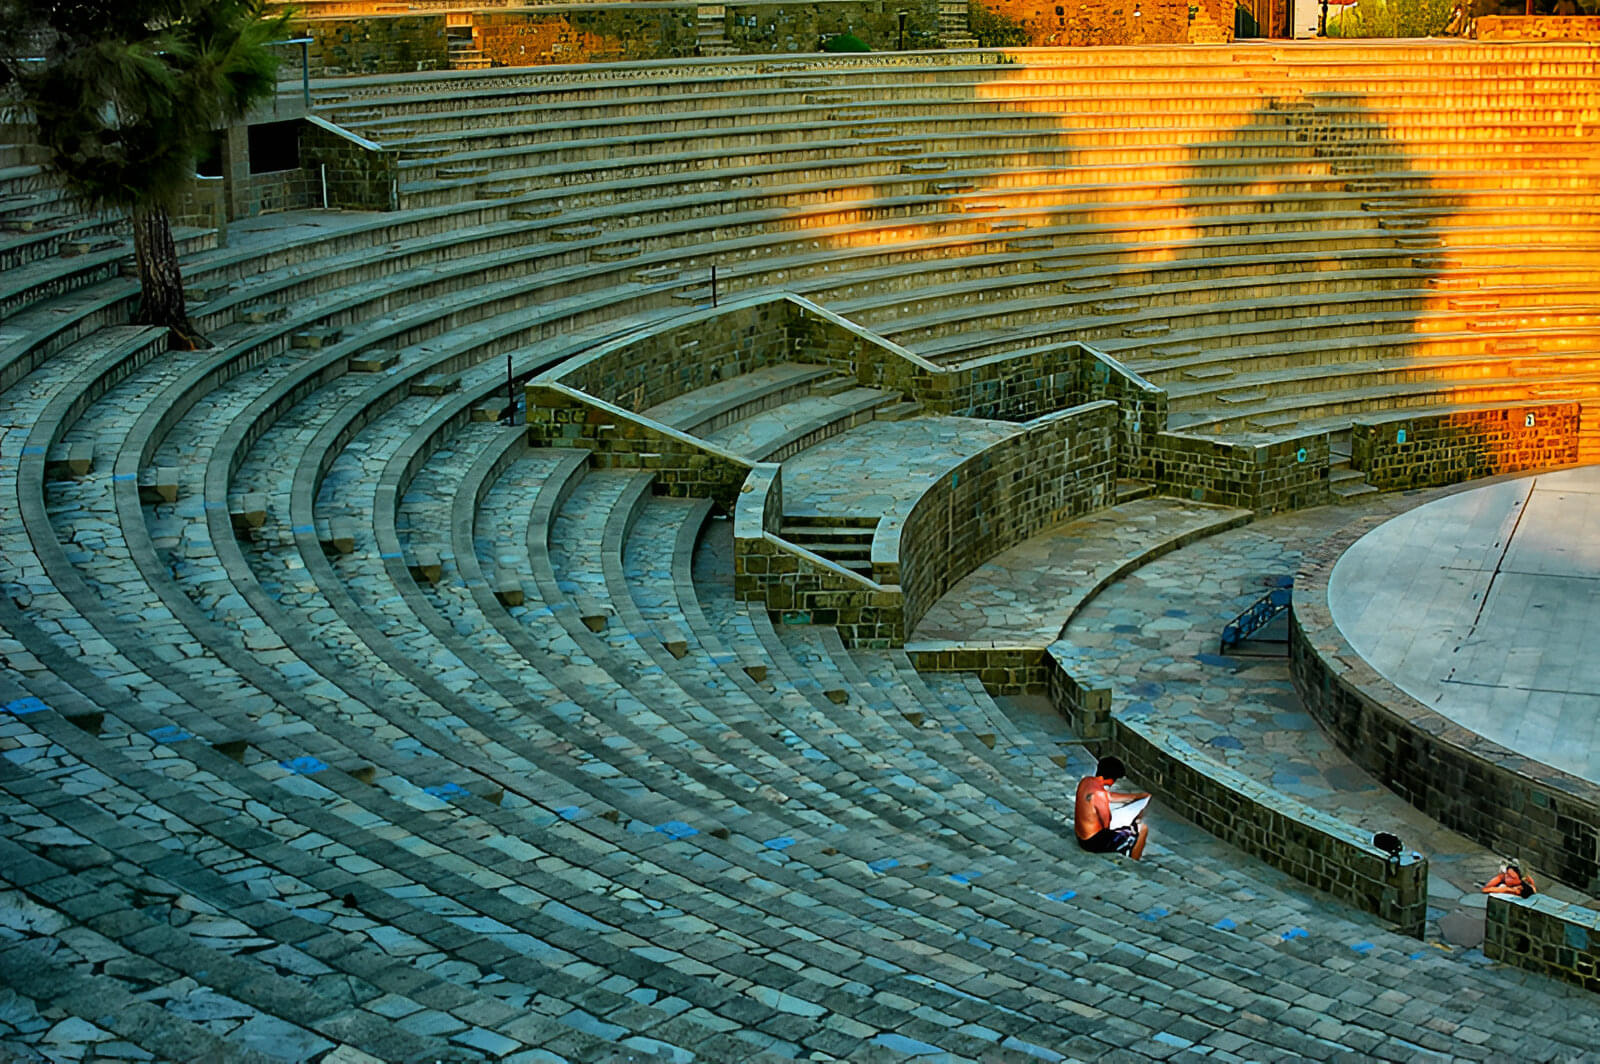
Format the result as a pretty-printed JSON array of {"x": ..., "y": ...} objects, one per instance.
[
  {"x": 1511, "y": 880},
  {"x": 1092, "y": 814}
]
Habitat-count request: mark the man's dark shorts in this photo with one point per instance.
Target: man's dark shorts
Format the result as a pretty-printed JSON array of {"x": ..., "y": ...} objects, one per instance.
[{"x": 1111, "y": 840}]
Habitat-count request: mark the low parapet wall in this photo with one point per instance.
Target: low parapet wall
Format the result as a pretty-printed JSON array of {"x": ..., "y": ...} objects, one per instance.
[
  {"x": 1544, "y": 935},
  {"x": 1403, "y": 451},
  {"x": 1285, "y": 473},
  {"x": 1469, "y": 784},
  {"x": 1538, "y": 28},
  {"x": 1315, "y": 848}
]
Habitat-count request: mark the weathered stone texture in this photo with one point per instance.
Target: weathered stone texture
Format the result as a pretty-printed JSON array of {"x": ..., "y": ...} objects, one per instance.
[
  {"x": 802, "y": 27},
  {"x": 1076, "y": 22},
  {"x": 1284, "y": 474},
  {"x": 1419, "y": 452},
  {"x": 1539, "y": 28},
  {"x": 375, "y": 44},
  {"x": 1543, "y": 816},
  {"x": 358, "y": 177},
  {"x": 1544, "y": 935},
  {"x": 576, "y": 34}
]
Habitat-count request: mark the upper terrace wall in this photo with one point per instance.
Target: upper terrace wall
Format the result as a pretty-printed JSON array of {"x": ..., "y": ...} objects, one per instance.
[{"x": 378, "y": 43}]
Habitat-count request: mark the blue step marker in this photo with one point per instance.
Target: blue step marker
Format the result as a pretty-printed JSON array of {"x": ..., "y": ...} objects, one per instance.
[
  {"x": 883, "y": 864},
  {"x": 1062, "y": 895},
  {"x": 445, "y": 790},
  {"x": 1224, "y": 924},
  {"x": 305, "y": 765},
  {"x": 168, "y": 733},
  {"x": 21, "y": 707},
  {"x": 782, "y": 842},
  {"x": 1295, "y": 932},
  {"x": 677, "y": 829},
  {"x": 1362, "y": 948}
]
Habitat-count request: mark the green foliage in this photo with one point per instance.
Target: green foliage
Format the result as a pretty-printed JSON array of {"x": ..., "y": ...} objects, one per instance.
[
  {"x": 1391, "y": 18},
  {"x": 123, "y": 94},
  {"x": 845, "y": 42},
  {"x": 992, "y": 29}
]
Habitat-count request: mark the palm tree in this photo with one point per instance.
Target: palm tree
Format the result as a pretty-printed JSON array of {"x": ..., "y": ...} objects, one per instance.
[{"x": 123, "y": 96}]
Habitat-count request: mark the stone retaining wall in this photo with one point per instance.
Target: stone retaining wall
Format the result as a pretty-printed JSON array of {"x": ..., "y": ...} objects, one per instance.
[
  {"x": 599, "y": 33},
  {"x": 1052, "y": 24},
  {"x": 1313, "y": 847},
  {"x": 1058, "y": 467},
  {"x": 1282, "y": 474},
  {"x": 360, "y": 174},
  {"x": 1538, "y": 28},
  {"x": 374, "y": 44},
  {"x": 802, "y": 27},
  {"x": 1419, "y": 452},
  {"x": 1544, "y": 935},
  {"x": 1543, "y": 816}
]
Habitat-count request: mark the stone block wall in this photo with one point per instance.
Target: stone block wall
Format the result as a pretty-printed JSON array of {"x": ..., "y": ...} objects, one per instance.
[
  {"x": 1544, "y": 817},
  {"x": 800, "y": 27},
  {"x": 1283, "y": 474},
  {"x": 653, "y": 368},
  {"x": 1057, "y": 23},
  {"x": 360, "y": 175},
  {"x": 600, "y": 33},
  {"x": 684, "y": 466},
  {"x": 374, "y": 44},
  {"x": 1309, "y": 845},
  {"x": 1058, "y": 467},
  {"x": 204, "y": 205},
  {"x": 1003, "y": 670},
  {"x": 798, "y": 587},
  {"x": 1544, "y": 935},
  {"x": 1539, "y": 28},
  {"x": 1143, "y": 408},
  {"x": 1419, "y": 452}
]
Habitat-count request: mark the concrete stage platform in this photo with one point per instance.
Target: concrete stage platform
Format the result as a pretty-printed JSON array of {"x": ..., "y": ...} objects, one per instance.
[{"x": 1485, "y": 606}]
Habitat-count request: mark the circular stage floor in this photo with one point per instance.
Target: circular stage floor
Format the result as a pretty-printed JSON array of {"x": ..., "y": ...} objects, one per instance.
[{"x": 1485, "y": 606}]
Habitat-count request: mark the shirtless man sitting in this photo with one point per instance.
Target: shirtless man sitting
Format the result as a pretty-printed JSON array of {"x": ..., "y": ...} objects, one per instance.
[{"x": 1092, "y": 815}]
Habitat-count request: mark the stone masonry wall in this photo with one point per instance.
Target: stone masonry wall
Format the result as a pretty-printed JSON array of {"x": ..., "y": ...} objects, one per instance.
[
  {"x": 1418, "y": 452},
  {"x": 1284, "y": 474},
  {"x": 684, "y": 466},
  {"x": 665, "y": 364},
  {"x": 1544, "y": 935},
  {"x": 602, "y": 33},
  {"x": 360, "y": 176},
  {"x": 1312, "y": 847},
  {"x": 799, "y": 588},
  {"x": 1539, "y": 28},
  {"x": 1060, "y": 466},
  {"x": 1057, "y": 23},
  {"x": 374, "y": 44},
  {"x": 1546, "y": 818},
  {"x": 801, "y": 27}
]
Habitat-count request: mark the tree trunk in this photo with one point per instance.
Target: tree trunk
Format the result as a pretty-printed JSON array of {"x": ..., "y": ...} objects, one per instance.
[{"x": 160, "y": 283}]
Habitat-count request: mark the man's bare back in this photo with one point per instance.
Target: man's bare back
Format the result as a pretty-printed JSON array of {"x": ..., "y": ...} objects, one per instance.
[{"x": 1091, "y": 815}]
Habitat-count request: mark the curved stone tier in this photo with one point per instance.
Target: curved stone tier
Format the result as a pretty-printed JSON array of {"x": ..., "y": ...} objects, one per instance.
[{"x": 338, "y": 723}]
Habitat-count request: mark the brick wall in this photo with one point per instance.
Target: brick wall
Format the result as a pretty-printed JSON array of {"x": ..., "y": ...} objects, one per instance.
[
  {"x": 360, "y": 175},
  {"x": 1418, "y": 452},
  {"x": 1544, "y": 935},
  {"x": 801, "y": 27},
  {"x": 1547, "y": 818}
]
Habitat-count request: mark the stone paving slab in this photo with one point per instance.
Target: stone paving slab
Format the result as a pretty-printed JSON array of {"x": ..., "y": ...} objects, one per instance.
[
  {"x": 1154, "y": 634},
  {"x": 1022, "y": 597},
  {"x": 1482, "y": 606},
  {"x": 882, "y": 467}
]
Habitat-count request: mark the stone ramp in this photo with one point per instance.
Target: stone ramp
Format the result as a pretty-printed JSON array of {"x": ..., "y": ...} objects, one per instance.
[{"x": 1024, "y": 596}]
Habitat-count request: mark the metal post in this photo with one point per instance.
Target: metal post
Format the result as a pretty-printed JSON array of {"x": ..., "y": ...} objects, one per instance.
[
  {"x": 511, "y": 395},
  {"x": 900, "y": 45},
  {"x": 713, "y": 284}
]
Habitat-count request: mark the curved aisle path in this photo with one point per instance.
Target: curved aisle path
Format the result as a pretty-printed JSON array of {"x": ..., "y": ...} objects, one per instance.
[{"x": 1155, "y": 635}]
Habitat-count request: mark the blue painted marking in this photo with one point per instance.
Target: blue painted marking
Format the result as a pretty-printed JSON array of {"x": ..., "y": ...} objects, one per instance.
[
  {"x": 1577, "y": 937},
  {"x": 782, "y": 842},
  {"x": 168, "y": 733},
  {"x": 965, "y": 877},
  {"x": 303, "y": 530},
  {"x": 1295, "y": 932},
  {"x": 1362, "y": 948},
  {"x": 1224, "y": 924},
  {"x": 21, "y": 707},
  {"x": 445, "y": 790},
  {"x": 1153, "y": 914},
  {"x": 391, "y": 555},
  {"x": 883, "y": 864},
  {"x": 1062, "y": 895},
  {"x": 570, "y": 812},
  {"x": 1300, "y": 455},
  {"x": 1417, "y": 956},
  {"x": 305, "y": 765},
  {"x": 677, "y": 829},
  {"x": 1400, "y": 436},
  {"x": 33, "y": 450},
  {"x": 123, "y": 478}
]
